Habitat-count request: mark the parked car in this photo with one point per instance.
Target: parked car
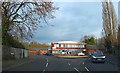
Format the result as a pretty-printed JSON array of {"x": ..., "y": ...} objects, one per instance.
[
  {"x": 97, "y": 57},
  {"x": 81, "y": 54},
  {"x": 90, "y": 54},
  {"x": 49, "y": 54}
]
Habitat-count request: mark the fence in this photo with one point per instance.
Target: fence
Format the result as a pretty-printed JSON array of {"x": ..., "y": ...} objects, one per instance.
[
  {"x": 38, "y": 52},
  {"x": 16, "y": 53},
  {"x": 92, "y": 48}
]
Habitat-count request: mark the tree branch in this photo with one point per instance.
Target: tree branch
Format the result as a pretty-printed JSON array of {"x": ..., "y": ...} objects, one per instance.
[{"x": 17, "y": 9}]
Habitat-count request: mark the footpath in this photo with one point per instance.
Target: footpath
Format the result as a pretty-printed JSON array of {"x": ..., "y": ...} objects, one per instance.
[
  {"x": 113, "y": 60},
  {"x": 6, "y": 65}
]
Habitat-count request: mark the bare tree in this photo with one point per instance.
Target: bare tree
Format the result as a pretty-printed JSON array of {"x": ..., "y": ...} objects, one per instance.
[
  {"x": 20, "y": 19},
  {"x": 110, "y": 24}
]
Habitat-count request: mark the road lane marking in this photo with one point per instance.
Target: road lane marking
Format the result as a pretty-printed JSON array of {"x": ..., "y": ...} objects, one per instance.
[
  {"x": 76, "y": 69},
  {"x": 86, "y": 68},
  {"x": 69, "y": 64},
  {"x": 83, "y": 62},
  {"x": 43, "y": 71},
  {"x": 46, "y": 64},
  {"x": 46, "y": 59}
]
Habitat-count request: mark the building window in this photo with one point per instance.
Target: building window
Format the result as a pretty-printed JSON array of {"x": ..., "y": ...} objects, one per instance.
[
  {"x": 66, "y": 45},
  {"x": 59, "y": 45},
  {"x": 72, "y": 46},
  {"x": 53, "y": 52},
  {"x": 69, "y": 46},
  {"x": 79, "y": 46},
  {"x": 55, "y": 45},
  {"x": 76, "y": 46},
  {"x": 62, "y": 45},
  {"x": 83, "y": 46}
]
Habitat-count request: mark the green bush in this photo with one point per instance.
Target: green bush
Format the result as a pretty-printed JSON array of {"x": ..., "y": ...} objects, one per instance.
[
  {"x": 90, "y": 41},
  {"x": 8, "y": 40}
]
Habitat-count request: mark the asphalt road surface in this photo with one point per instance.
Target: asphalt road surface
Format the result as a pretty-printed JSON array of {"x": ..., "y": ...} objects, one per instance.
[
  {"x": 52, "y": 63},
  {"x": 85, "y": 64}
]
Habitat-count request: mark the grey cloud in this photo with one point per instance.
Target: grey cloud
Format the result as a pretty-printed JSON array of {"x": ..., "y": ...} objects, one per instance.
[{"x": 73, "y": 21}]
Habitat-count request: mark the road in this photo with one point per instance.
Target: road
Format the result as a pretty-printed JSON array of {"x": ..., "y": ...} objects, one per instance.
[
  {"x": 85, "y": 64},
  {"x": 51, "y": 63}
]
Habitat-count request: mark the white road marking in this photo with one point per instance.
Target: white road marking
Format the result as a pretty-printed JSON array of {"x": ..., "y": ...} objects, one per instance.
[
  {"x": 86, "y": 68},
  {"x": 46, "y": 64},
  {"x": 69, "y": 64},
  {"x": 83, "y": 62},
  {"x": 43, "y": 71},
  {"x": 76, "y": 69}
]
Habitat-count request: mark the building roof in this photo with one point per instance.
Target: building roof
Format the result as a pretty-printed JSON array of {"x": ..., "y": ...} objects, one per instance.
[
  {"x": 68, "y": 42},
  {"x": 94, "y": 47},
  {"x": 91, "y": 47}
]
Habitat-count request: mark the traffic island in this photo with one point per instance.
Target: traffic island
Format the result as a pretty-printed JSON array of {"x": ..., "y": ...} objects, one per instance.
[{"x": 73, "y": 56}]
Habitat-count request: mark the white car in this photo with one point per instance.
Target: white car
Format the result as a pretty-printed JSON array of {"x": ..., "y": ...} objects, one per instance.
[{"x": 81, "y": 54}]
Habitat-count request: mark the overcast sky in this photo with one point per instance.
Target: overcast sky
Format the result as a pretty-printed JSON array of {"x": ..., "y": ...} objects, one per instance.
[{"x": 73, "y": 21}]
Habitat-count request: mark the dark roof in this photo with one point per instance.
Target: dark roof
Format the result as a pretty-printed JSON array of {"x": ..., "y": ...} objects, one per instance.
[{"x": 94, "y": 47}]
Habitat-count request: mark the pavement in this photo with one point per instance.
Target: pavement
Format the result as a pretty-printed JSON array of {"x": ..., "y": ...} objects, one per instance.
[
  {"x": 112, "y": 59},
  {"x": 0, "y": 66},
  {"x": 0, "y": 58},
  {"x": 6, "y": 65}
]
